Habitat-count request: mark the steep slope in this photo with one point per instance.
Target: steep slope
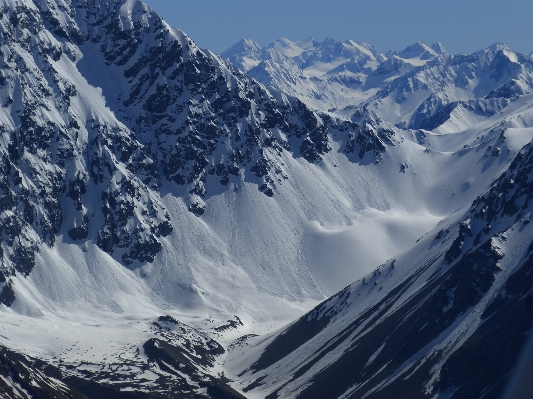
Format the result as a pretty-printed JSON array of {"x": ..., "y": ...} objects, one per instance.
[
  {"x": 100, "y": 167},
  {"x": 419, "y": 53},
  {"x": 160, "y": 209},
  {"x": 23, "y": 378},
  {"x": 419, "y": 87},
  {"x": 116, "y": 132},
  {"x": 87, "y": 156},
  {"x": 446, "y": 319},
  {"x": 324, "y": 75},
  {"x": 451, "y": 93}
]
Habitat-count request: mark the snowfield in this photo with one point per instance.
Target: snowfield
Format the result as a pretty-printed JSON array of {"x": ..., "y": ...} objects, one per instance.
[{"x": 172, "y": 222}]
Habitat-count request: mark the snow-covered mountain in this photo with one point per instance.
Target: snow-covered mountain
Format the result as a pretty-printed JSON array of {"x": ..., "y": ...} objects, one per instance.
[
  {"x": 420, "y": 87},
  {"x": 448, "y": 318},
  {"x": 165, "y": 216},
  {"x": 419, "y": 53},
  {"x": 452, "y": 93},
  {"x": 324, "y": 75}
]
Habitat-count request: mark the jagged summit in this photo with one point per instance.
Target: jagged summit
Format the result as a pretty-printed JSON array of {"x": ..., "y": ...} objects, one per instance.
[
  {"x": 166, "y": 216},
  {"x": 420, "y": 51},
  {"x": 115, "y": 123},
  {"x": 439, "y": 48},
  {"x": 418, "y": 87},
  {"x": 243, "y": 47},
  {"x": 497, "y": 46},
  {"x": 451, "y": 324}
]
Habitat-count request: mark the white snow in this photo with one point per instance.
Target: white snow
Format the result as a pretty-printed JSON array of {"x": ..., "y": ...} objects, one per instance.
[
  {"x": 342, "y": 254},
  {"x": 267, "y": 260}
]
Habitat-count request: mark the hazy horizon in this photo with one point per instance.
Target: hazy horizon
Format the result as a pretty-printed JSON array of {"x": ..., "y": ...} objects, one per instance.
[{"x": 461, "y": 26}]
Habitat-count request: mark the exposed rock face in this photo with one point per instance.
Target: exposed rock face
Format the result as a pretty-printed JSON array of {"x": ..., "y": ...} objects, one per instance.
[
  {"x": 55, "y": 157},
  {"x": 480, "y": 85},
  {"x": 178, "y": 355},
  {"x": 455, "y": 327},
  {"x": 420, "y": 87},
  {"x": 29, "y": 378},
  {"x": 106, "y": 110},
  {"x": 102, "y": 101}
]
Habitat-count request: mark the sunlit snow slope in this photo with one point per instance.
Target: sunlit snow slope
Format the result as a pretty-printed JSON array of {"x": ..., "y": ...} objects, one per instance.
[
  {"x": 420, "y": 87},
  {"x": 447, "y": 318},
  {"x": 162, "y": 213}
]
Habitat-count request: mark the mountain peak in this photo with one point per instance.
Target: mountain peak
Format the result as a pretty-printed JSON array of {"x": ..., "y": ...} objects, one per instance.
[
  {"x": 419, "y": 50},
  {"x": 497, "y": 46},
  {"x": 439, "y": 48},
  {"x": 289, "y": 48},
  {"x": 242, "y": 46},
  {"x": 146, "y": 183}
]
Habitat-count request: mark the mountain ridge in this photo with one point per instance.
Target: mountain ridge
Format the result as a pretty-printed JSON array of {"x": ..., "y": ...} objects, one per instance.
[
  {"x": 463, "y": 86},
  {"x": 166, "y": 218}
]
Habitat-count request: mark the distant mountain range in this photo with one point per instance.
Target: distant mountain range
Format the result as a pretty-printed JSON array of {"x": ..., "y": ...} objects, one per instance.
[
  {"x": 420, "y": 87},
  {"x": 304, "y": 220}
]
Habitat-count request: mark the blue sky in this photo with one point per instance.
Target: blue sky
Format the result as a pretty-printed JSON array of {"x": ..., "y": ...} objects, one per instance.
[{"x": 461, "y": 26}]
